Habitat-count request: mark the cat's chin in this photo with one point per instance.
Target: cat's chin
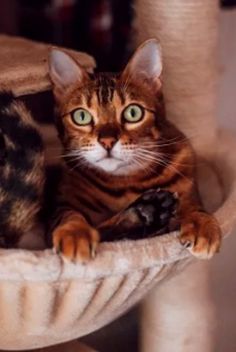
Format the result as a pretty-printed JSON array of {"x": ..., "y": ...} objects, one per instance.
[
  {"x": 110, "y": 165},
  {"x": 113, "y": 166}
]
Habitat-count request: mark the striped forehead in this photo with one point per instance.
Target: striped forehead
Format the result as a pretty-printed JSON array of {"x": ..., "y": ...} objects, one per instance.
[
  {"x": 104, "y": 89},
  {"x": 102, "y": 92}
]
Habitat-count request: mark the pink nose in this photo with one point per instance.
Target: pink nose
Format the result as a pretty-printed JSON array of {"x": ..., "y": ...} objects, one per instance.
[{"x": 107, "y": 142}]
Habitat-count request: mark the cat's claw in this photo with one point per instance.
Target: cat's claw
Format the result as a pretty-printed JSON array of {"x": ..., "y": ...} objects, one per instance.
[
  {"x": 78, "y": 247},
  {"x": 201, "y": 235}
]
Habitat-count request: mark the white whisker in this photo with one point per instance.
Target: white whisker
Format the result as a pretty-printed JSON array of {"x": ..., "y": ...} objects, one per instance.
[{"x": 159, "y": 161}]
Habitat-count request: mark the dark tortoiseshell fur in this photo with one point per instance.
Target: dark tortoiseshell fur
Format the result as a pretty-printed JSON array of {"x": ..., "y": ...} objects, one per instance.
[{"x": 21, "y": 170}]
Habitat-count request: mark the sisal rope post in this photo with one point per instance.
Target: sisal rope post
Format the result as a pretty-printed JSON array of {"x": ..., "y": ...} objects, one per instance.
[{"x": 188, "y": 32}]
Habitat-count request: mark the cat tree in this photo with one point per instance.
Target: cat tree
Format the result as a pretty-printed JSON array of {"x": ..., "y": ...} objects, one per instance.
[{"x": 45, "y": 301}]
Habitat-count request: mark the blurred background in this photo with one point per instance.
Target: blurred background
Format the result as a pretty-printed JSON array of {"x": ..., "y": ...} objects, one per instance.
[{"x": 100, "y": 27}]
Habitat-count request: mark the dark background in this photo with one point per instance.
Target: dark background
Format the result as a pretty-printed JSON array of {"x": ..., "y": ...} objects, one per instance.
[{"x": 99, "y": 27}]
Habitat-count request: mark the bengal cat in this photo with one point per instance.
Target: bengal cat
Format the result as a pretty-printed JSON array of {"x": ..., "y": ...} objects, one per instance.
[{"x": 120, "y": 152}]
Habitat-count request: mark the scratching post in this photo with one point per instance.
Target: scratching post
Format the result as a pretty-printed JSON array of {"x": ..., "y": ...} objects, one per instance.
[
  {"x": 188, "y": 32},
  {"x": 178, "y": 316}
]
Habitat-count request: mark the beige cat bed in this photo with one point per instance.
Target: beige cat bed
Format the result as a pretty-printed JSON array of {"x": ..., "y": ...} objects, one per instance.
[{"x": 45, "y": 301}]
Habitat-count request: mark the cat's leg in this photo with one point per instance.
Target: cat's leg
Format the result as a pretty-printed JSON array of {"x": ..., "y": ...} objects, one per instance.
[
  {"x": 74, "y": 238},
  {"x": 201, "y": 234},
  {"x": 199, "y": 230},
  {"x": 151, "y": 214}
]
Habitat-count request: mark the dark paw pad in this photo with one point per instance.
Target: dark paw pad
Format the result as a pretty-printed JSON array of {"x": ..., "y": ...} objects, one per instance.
[
  {"x": 155, "y": 209},
  {"x": 152, "y": 214}
]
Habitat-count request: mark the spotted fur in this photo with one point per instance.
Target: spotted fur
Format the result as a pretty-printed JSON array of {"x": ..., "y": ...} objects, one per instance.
[
  {"x": 22, "y": 170},
  {"x": 134, "y": 157}
]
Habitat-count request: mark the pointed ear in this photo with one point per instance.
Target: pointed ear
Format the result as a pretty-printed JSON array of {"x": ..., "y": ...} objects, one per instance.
[
  {"x": 64, "y": 71},
  {"x": 146, "y": 63}
]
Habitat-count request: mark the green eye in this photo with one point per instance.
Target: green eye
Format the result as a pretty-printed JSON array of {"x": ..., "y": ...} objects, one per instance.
[
  {"x": 82, "y": 117},
  {"x": 133, "y": 113}
]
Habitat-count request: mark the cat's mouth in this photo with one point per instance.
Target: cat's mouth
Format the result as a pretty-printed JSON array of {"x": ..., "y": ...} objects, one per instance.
[
  {"x": 109, "y": 157},
  {"x": 113, "y": 161}
]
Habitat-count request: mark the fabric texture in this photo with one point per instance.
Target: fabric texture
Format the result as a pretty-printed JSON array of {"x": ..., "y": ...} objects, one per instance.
[{"x": 23, "y": 65}]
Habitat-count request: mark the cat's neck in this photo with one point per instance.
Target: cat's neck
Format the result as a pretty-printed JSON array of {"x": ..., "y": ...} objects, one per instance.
[{"x": 112, "y": 178}]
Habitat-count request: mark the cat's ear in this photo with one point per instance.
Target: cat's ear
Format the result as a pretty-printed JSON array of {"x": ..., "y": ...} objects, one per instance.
[
  {"x": 145, "y": 64},
  {"x": 64, "y": 71}
]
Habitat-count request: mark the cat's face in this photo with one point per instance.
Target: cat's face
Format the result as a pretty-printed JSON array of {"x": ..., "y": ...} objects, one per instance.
[{"x": 109, "y": 122}]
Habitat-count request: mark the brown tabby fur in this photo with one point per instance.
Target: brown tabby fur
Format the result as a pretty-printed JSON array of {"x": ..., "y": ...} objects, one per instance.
[{"x": 91, "y": 199}]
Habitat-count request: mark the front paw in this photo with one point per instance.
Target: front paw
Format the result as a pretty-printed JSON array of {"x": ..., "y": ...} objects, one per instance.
[
  {"x": 201, "y": 235},
  {"x": 155, "y": 210},
  {"x": 76, "y": 244}
]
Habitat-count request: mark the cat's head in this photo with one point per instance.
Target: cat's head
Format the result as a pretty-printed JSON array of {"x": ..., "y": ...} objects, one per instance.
[{"x": 110, "y": 122}]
